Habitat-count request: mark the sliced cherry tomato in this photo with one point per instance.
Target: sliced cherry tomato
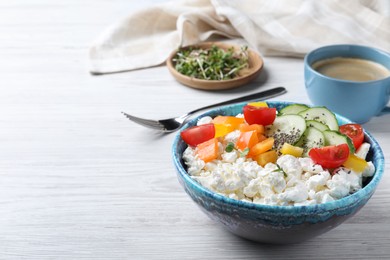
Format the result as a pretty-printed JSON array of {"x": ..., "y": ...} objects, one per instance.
[
  {"x": 330, "y": 156},
  {"x": 355, "y": 132},
  {"x": 198, "y": 134},
  {"x": 259, "y": 115}
]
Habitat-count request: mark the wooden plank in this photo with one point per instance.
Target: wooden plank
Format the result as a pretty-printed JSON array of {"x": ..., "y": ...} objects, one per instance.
[{"x": 79, "y": 181}]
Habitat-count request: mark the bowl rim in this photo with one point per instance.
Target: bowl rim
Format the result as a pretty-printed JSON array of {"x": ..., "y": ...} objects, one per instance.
[{"x": 345, "y": 202}]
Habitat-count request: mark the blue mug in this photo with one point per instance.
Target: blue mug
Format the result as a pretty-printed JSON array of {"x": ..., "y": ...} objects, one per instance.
[{"x": 357, "y": 100}]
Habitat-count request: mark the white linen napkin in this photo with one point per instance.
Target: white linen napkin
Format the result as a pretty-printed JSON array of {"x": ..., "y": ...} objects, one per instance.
[{"x": 279, "y": 27}]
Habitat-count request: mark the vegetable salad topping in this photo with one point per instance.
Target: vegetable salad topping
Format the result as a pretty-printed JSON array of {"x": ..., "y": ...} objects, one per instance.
[{"x": 296, "y": 156}]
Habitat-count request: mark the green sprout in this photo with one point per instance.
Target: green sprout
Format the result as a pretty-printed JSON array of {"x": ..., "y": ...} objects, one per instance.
[
  {"x": 229, "y": 147},
  {"x": 211, "y": 64},
  {"x": 279, "y": 169}
]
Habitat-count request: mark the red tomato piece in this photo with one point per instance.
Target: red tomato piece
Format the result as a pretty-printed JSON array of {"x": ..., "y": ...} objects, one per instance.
[
  {"x": 259, "y": 115},
  {"x": 330, "y": 156},
  {"x": 198, "y": 134},
  {"x": 354, "y": 132}
]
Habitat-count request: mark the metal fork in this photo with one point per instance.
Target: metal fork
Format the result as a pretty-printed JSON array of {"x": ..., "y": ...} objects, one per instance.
[{"x": 172, "y": 124}]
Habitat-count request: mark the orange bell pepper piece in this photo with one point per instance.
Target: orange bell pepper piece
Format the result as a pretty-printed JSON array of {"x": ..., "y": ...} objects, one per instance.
[
  {"x": 262, "y": 147},
  {"x": 208, "y": 151},
  {"x": 226, "y": 124},
  {"x": 229, "y": 120},
  {"x": 258, "y": 128},
  {"x": 267, "y": 157},
  {"x": 219, "y": 119},
  {"x": 245, "y": 128},
  {"x": 261, "y": 137},
  {"x": 247, "y": 140}
]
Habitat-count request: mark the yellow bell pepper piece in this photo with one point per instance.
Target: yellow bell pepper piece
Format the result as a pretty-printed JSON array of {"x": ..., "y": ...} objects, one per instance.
[
  {"x": 258, "y": 104},
  {"x": 355, "y": 163},
  {"x": 291, "y": 149},
  {"x": 226, "y": 124},
  {"x": 223, "y": 129}
]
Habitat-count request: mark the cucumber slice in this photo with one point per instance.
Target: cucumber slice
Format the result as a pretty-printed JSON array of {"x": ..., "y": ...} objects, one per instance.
[
  {"x": 286, "y": 129},
  {"x": 322, "y": 115},
  {"x": 336, "y": 138},
  {"x": 311, "y": 138},
  {"x": 316, "y": 124},
  {"x": 294, "y": 109}
]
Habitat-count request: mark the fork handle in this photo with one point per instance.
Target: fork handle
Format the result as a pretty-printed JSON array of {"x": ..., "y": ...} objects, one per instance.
[{"x": 273, "y": 92}]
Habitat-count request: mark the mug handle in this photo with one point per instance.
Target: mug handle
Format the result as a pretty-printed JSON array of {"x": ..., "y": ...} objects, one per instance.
[{"x": 385, "y": 111}]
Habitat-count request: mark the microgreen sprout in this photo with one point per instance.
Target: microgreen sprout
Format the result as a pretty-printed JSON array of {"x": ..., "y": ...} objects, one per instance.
[
  {"x": 244, "y": 152},
  {"x": 211, "y": 64},
  {"x": 279, "y": 169},
  {"x": 229, "y": 147}
]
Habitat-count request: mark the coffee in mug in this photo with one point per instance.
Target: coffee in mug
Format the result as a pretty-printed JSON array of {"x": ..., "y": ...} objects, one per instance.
[
  {"x": 352, "y": 69},
  {"x": 364, "y": 88}
]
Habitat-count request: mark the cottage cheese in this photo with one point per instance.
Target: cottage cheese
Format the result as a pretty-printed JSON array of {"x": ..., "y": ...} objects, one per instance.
[{"x": 291, "y": 181}]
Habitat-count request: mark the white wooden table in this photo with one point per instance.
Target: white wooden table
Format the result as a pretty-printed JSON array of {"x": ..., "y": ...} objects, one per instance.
[{"x": 80, "y": 181}]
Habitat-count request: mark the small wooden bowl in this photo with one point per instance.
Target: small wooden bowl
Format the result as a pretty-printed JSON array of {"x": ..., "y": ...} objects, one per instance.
[{"x": 244, "y": 77}]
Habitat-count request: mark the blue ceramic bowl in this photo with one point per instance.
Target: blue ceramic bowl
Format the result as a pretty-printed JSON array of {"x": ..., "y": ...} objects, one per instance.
[{"x": 274, "y": 224}]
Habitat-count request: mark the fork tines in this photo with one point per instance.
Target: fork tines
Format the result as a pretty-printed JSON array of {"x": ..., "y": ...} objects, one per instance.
[{"x": 154, "y": 124}]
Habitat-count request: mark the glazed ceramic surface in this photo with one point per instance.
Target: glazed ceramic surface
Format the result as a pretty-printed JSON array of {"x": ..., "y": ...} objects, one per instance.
[
  {"x": 245, "y": 75},
  {"x": 274, "y": 224},
  {"x": 358, "y": 101}
]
